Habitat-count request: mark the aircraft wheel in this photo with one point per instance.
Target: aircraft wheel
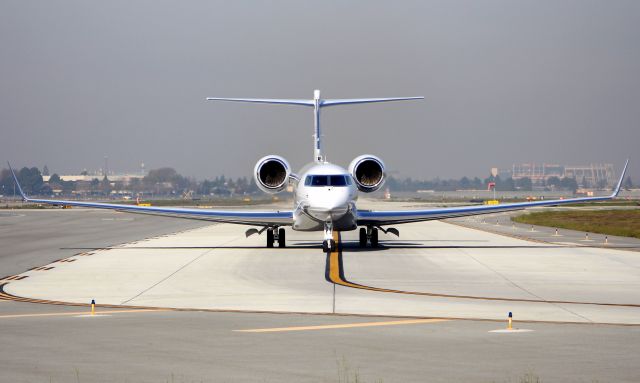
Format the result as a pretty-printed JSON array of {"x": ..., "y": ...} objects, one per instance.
[
  {"x": 281, "y": 238},
  {"x": 328, "y": 245},
  {"x": 269, "y": 237},
  {"x": 363, "y": 237},
  {"x": 374, "y": 238}
]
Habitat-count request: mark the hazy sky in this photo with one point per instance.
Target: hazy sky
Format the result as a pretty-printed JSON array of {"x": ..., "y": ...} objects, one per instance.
[{"x": 504, "y": 81}]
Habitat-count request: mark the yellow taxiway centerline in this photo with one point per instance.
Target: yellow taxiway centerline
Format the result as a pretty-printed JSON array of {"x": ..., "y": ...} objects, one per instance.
[
  {"x": 345, "y": 325},
  {"x": 72, "y": 313}
]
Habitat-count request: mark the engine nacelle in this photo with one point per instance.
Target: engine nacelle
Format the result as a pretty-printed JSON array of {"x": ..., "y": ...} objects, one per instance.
[
  {"x": 272, "y": 174},
  {"x": 368, "y": 173}
]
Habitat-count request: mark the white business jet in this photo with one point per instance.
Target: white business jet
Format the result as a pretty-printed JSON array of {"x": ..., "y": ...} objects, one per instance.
[{"x": 325, "y": 194}]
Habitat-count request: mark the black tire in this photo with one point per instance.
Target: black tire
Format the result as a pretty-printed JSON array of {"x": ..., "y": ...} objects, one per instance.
[
  {"x": 363, "y": 237},
  {"x": 281, "y": 238},
  {"x": 374, "y": 238},
  {"x": 325, "y": 246},
  {"x": 332, "y": 243},
  {"x": 269, "y": 237}
]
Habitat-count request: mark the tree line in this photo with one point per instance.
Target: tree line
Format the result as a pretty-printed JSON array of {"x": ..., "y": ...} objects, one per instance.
[
  {"x": 167, "y": 181},
  {"x": 162, "y": 182},
  {"x": 466, "y": 183}
]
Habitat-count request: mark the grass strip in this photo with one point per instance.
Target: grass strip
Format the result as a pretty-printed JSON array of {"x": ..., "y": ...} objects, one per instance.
[{"x": 624, "y": 223}]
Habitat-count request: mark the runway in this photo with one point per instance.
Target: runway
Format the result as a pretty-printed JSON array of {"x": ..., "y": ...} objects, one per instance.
[{"x": 183, "y": 301}]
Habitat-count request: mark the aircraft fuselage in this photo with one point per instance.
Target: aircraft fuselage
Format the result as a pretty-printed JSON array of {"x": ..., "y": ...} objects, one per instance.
[{"x": 325, "y": 193}]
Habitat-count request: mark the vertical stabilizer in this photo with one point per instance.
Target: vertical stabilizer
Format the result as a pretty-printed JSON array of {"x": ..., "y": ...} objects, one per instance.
[{"x": 317, "y": 138}]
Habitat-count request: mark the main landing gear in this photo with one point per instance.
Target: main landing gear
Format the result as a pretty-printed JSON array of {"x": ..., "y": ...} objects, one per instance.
[
  {"x": 369, "y": 234},
  {"x": 276, "y": 234}
]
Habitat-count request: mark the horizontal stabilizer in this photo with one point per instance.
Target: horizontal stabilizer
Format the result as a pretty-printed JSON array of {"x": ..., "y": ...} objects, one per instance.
[
  {"x": 321, "y": 102},
  {"x": 265, "y": 100},
  {"x": 349, "y": 101}
]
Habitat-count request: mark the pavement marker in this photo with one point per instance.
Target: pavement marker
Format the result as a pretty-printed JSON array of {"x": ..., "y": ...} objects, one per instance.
[{"x": 510, "y": 328}]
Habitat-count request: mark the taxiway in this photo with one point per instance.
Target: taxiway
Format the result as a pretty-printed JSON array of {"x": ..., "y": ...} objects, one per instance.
[{"x": 222, "y": 307}]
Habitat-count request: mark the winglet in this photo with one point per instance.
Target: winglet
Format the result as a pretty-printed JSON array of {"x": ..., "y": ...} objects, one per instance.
[
  {"x": 15, "y": 179},
  {"x": 624, "y": 171}
]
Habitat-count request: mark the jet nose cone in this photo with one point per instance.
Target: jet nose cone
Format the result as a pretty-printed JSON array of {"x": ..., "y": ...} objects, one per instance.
[
  {"x": 328, "y": 214},
  {"x": 330, "y": 205},
  {"x": 331, "y": 211}
]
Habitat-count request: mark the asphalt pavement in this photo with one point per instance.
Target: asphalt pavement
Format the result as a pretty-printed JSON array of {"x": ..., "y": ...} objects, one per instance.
[{"x": 162, "y": 262}]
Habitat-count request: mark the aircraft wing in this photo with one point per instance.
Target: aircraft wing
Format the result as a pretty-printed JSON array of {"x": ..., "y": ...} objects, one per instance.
[
  {"x": 254, "y": 218},
  {"x": 382, "y": 218}
]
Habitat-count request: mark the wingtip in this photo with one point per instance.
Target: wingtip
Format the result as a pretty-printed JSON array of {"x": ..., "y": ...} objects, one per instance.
[
  {"x": 622, "y": 175},
  {"x": 15, "y": 179}
]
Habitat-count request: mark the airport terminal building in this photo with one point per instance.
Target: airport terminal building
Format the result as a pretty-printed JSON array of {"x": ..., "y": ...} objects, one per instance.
[{"x": 587, "y": 176}]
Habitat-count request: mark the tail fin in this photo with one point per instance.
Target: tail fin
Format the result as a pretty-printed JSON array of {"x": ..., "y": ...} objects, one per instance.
[
  {"x": 317, "y": 103},
  {"x": 15, "y": 179}
]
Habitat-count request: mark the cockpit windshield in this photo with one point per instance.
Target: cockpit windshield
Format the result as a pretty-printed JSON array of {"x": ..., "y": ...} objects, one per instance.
[{"x": 327, "y": 180}]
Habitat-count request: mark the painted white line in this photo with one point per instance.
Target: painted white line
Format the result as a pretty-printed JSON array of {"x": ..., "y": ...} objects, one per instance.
[{"x": 507, "y": 331}]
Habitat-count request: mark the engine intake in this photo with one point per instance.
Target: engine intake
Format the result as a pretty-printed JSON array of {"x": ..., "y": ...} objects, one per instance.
[
  {"x": 272, "y": 173},
  {"x": 368, "y": 173}
]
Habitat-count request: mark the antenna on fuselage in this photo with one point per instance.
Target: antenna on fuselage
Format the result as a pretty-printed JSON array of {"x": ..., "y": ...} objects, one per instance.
[{"x": 317, "y": 103}]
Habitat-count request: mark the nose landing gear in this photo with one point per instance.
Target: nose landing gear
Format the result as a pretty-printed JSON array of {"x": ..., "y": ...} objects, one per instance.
[{"x": 329, "y": 244}]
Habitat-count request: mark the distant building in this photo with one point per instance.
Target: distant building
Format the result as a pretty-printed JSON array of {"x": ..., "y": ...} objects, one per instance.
[
  {"x": 537, "y": 173},
  {"x": 589, "y": 176},
  {"x": 124, "y": 178},
  {"x": 592, "y": 175}
]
